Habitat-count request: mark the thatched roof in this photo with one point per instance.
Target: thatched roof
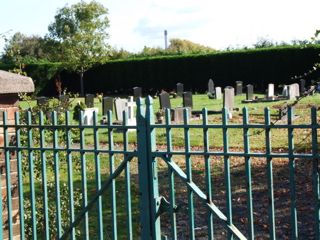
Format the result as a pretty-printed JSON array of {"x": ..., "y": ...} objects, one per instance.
[{"x": 15, "y": 83}]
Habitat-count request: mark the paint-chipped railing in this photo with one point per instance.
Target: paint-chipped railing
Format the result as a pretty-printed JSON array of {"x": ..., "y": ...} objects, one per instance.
[{"x": 34, "y": 150}]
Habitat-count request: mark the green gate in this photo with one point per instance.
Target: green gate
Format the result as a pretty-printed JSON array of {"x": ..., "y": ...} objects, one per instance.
[{"x": 78, "y": 181}]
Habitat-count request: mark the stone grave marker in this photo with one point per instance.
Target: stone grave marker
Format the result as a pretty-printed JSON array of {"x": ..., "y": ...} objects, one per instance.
[
  {"x": 187, "y": 99},
  {"x": 41, "y": 100},
  {"x": 210, "y": 86},
  {"x": 283, "y": 112},
  {"x": 179, "y": 89},
  {"x": 137, "y": 92},
  {"x": 89, "y": 100},
  {"x": 302, "y": 86},
  {"x": 120, "y": 106},
  {"x": 164, "y": 99},
  {"x": 88, "y": 115},
  {"x": 107, "y": 105},
  {"x": 270, "y": 91},
  {"x": 249, "y": 92},
  {"x": 238, "y": 87},
  {"x": 178, "y": 114},
  {"x": 130, "y": 105},
  {"x": 285, "y": 91},
  {"x": 294, "y": 91},
  {"x": 228, "y": 99},
  {"x": 218, "y": 93}
]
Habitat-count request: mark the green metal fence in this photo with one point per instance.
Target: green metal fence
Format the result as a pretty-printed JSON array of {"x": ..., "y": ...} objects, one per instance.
[{"x": 107, "y": 182}]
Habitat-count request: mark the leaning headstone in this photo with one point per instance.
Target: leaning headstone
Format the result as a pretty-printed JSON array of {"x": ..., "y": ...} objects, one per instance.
[
  {"x": 164, "y": 99},
  {"x": 270, "y": 91},
  {"x": 187, "y": 99},
  {"x": 180, "y": 89},
  {"x": 249, "y": 92},
  {"x": 302, "y": 86},
  {"x": 89, "y": 100},
  {"x": 137, "y": 92},
  {"x": 107, "y": 105},
  {"x": 238, "y": 87},
  {"x": 218, "y": 93},
  {"x": 228, "y": 99},
  {"x": 41, "y": 101},
  {"x": 120, "y": 106},
  {"x": 210, "y": 86}
]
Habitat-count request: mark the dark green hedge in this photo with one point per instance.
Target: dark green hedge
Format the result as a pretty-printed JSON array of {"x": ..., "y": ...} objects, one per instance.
[{"x": 256, "y": 66}]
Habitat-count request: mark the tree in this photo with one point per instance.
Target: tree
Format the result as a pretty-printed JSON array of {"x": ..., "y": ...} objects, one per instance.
[
  {"x": 186, "y": 46},
  {"x": 81, "y": 30}
]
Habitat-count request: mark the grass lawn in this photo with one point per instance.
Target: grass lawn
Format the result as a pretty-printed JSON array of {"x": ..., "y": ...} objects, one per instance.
[{"x": 257, "y": 143}]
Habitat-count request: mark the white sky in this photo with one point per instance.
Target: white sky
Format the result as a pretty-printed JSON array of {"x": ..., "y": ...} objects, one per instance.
[{"x": 218, "y": 24}]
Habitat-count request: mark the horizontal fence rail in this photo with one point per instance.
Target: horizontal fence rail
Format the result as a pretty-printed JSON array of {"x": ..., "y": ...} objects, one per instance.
[{"x": 111, "y": 181}]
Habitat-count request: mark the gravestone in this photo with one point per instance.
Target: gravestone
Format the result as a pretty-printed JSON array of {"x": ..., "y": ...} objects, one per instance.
[
  {"x": 270, "y": 91},
  {"x": 249, "y": 92},
  {"x": 285, "y": 91},
  {"x": 228, "y": 98},
  {"x": 164, "y": 99},
  {"x": 218, "y": 93},
  {"x": 294, "y": 91},
  {"x": 107, "y": 105},
  {"x": 137, "y": 92},
  {"x": 88, "y": 116},
  {"x": 42, "y": 101},
  {"x": 178, "y": 114},
  {"x": 130, "y": 108},
  {"x": 120, "y": 106},
  {"x": 210, "y": 86},
  {"x": 238, "y": 87},
  {"x": 302, "y": 86},
  {"x": 187, "y": 99},
  {"x": 283, "y": 112},
  {"x": 89, "y": 100},
  {"x": 179, "y": 89}
]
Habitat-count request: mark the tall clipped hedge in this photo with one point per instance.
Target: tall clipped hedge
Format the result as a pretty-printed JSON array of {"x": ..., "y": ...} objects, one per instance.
[{"x": 255, "y": 66}]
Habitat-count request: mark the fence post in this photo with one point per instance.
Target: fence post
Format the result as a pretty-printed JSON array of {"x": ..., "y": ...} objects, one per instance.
[{"x": 148, "y": 172}]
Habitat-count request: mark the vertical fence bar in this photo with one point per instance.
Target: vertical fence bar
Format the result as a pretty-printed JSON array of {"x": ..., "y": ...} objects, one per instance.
[
  {"x": 113, "y": 184},
  {"x": 70, "y": 174},
  {"x": 246, "y": 142},
  {"x": 292, "y": 169},
  {"x": 127, "y": 178},
  {"x": 171, "y": 176},
  {"x": 315, "y": 171},
  {"x": 272, "y": 228},
  {"x": 44, "y": 176},
  {"x": 31, "y": 176},
  {"x": 84, "y": 177},
  {"x": 189, "y": 173},
  {"x": 56, "y": 173},
  {"x": 227, "y": 169},
  {"x": 8, "y": 175},
  {"x": 19, "y": 170},
  {"x": 148, "y": 172},
  {"x": 98, "y": 177},
  {"x": 208, "y": 170}
]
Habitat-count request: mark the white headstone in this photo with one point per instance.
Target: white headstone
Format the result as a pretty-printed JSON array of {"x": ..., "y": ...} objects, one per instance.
[
  {"x": 120, "y": 106},
  {"x": 294, "y": 91},
  {"x": 270, "y": 90},
  {"x": 88, "y": 116},
  {"x": 218, "y": 93},
  {"x": 285, "y": 91},
  {"x": 130, "y": 105}
]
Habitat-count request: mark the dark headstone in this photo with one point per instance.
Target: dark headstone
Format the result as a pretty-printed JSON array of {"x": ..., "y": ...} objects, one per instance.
[
  {"x": 107, "y": 105},
  {"x": 180, "y": 89},
  {"x": 228, "y": 98},
  {"x": 302, "y": 86},
  {"x": 164, "y": 99},
  {"x": 89, "y": 100},
  {"x": 187, "y": 99},
  {"x": 238, "y": 87},
  {"x": 249, "y": 93},
  {"x": 210, "y": 86},
  {"x": 41, "y": 101},
  {"x": 137, "y": 92}
]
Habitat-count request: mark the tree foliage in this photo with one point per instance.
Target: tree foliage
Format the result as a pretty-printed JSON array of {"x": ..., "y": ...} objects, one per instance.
[
  {"x": 81, "y": 30},
  {"x": 186, "y": 46}
]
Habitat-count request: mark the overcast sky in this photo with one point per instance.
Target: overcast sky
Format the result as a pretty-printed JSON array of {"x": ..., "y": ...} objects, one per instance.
[{"x": 218, "y": 24}]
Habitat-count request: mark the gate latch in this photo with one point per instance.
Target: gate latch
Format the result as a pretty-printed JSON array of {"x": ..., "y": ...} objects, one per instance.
[{"x": 164, "y": 206}]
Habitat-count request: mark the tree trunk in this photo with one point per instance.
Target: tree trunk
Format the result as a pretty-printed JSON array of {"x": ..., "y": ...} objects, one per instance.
[{"x": 81, "y": 85}]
